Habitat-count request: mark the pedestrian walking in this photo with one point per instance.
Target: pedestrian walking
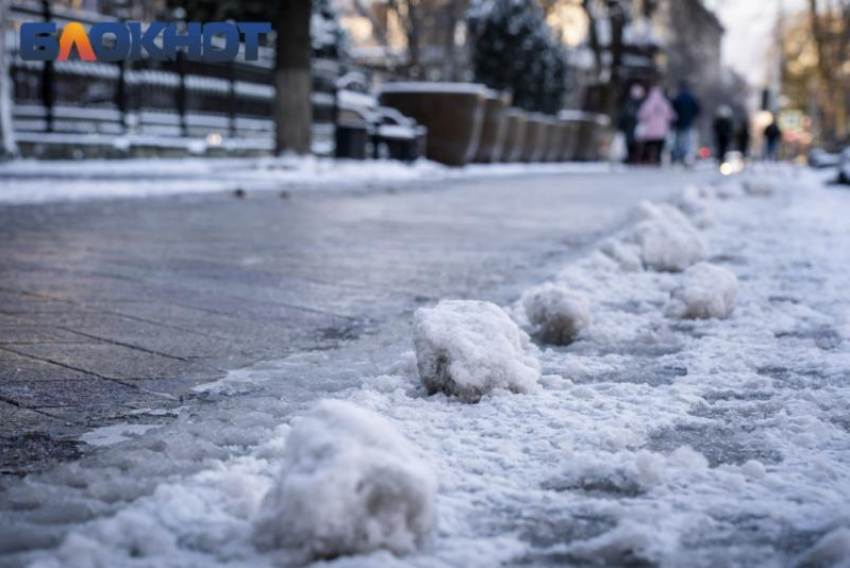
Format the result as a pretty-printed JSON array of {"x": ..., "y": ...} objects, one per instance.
[
  {"x": 655, "y": 116},
  {"x": 627, "y": 121},
  {"x": 773, "y": 137},
  {"x": 742, "y": 135},
  {"x": 687, "y": 109},
  {"x": 724, "y": 129}
]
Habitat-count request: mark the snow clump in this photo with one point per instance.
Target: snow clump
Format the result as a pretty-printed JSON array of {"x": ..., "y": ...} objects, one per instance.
[
  {"x": 627, "y": 255},
  {"x": 556, "y": 314},
  {"x": 469, "y": 348},
  {"x": 350, "y": 483},
  {"x": 706, "y": 291},
  {"x": 668, "y": 241},
  {"x": 695, "y": 203},
  {"x": 833, "y": 549}
]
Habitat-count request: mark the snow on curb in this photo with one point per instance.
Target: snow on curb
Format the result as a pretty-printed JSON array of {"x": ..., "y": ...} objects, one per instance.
[
  {"x": 350, "y": 483},
  {"x": 469, "y": 348},
  {"x": 706, "y": 291}
]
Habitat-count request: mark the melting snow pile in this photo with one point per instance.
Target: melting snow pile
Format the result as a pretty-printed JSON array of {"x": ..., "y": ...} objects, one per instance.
[
  {"x": 350, "y": 483},
  {"x": 556, "y": 314},
  {"x": 707, "y": 291},
  {"x": 469, "y": 348},
  {"x": 668, "y": 241}
]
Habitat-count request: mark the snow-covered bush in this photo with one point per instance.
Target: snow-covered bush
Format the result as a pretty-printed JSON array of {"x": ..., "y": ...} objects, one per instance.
[
  {"x": 706, "y": 291},
  {"x": 350, "y": 483},
  {"x": 515, "y": 50},
  {"x": 469, "y": 348},
  {"x": 327, "y": 36},
  {"x": 667, "y": 239},
  {"x": 556, "y": 314}
]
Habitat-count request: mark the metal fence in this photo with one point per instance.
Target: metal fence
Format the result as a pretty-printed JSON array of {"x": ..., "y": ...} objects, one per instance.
[{"x": 178, "y": 105}]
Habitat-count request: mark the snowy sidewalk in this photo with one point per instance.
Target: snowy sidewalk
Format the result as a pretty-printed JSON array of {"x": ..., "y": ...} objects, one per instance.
[
  {"x": 649, "y": 440},
  {"x": 112, "y": 307},
  {"x": 30, "y": 181}
]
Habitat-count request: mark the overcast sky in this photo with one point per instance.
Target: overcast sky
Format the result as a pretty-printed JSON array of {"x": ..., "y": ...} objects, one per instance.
[{"x": 750, "y": 30}]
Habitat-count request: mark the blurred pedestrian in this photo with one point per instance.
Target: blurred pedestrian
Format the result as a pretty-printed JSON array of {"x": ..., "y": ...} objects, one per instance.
[
  {"x": 724, "y": 129},
  {"x": 742, "y": 135},
  {"x": 687, "y": 109},
  {"x": 655, "y": 116},
  {"x": 627, "y": 121},
  {"x": 773, "y": 137}
]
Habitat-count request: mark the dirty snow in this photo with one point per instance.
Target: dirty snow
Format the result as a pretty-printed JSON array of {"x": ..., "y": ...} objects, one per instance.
[
  {"x": 467, "y": 348},
  {"x": 555, "y": 313},
  {"x": 650, "y": 440},
  {"x": 706, "y": 291}
]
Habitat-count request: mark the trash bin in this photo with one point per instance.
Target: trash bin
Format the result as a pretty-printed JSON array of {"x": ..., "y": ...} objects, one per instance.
[
  {"x": 515, "y": 135},
  {"x": 453, "y": 113},
  {"x": 494, "y": 127},
  {"x": 536, "y": 134},
  {"x": 351, "y": 140}
]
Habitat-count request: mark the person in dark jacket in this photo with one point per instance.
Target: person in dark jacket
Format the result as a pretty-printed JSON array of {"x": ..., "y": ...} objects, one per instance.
[
  {"x": 773, "y": 136},
  {"x": 742, "y": 135},
  {"x": 687, "y": 109},
  {"x": 724, "y": 129},
  {"x": 627, "y": 121}
]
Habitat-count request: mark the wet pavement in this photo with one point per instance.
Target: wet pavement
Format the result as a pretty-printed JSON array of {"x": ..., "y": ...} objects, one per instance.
[{"x": 112, "y": 308}]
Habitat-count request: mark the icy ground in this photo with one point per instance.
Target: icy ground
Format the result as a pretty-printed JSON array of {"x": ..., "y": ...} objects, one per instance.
[
  {"x": 38, "y": 181},
  {"x": 651, "y": 440}
]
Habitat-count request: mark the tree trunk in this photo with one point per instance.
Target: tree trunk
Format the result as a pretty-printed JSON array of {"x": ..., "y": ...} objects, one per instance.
[
  {"x": 8, "y": 147},
  {"x": 830, "y": 91},
  {"x": 293, "y": 111}
]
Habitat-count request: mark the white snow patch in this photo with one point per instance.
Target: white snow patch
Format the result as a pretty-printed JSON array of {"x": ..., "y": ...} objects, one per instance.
[
  {"x": 469, "y": 348},
  {"x": 350, "y": 484},
  {"x": 34, "y": 181},
  {"x": 667, "y": 239},
  {"x": 555, "y": 313},
  {"x": 706, "y": 291}
]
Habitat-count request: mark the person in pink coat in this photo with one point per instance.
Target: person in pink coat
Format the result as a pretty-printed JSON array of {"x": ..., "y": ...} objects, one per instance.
[{"x": 655, "y": 116}]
